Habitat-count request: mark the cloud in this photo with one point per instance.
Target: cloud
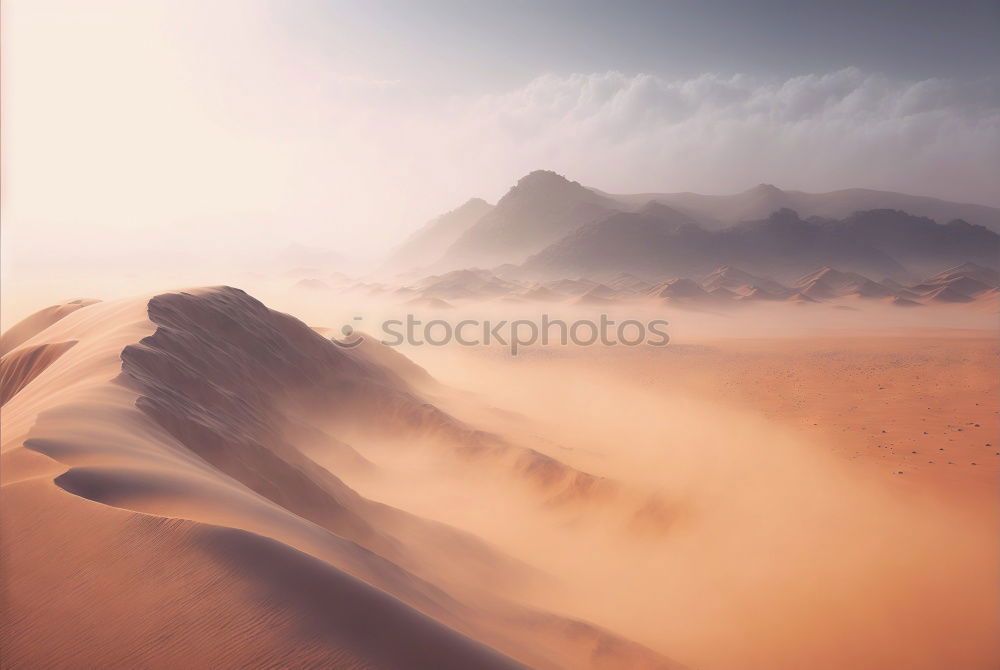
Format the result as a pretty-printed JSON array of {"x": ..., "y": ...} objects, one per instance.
[
  {"x": 718, "y": 133},
  {"x": 140, "y": 126}
]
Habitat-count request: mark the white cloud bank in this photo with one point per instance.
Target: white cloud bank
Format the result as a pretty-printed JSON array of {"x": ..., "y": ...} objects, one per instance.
[{"x": 720, "y": 134}]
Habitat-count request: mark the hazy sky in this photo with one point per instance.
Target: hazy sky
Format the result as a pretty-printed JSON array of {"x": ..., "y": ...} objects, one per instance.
[{"x": 195, "y": 128}]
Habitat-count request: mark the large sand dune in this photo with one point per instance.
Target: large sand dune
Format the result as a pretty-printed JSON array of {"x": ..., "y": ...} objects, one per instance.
[
  {"x": 161, "y": 508},
  {"x": 195, "y": 479}
]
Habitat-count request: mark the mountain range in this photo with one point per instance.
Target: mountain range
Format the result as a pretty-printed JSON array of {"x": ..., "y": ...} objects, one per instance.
[
  {"x": 549, "y": 226},
  {"x": 659, "y": 241},
  {"x": 716, "y": 211}
]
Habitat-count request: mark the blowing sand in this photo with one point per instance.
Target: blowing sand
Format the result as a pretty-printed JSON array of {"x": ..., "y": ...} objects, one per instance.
[{"x": 192, "y": 479}]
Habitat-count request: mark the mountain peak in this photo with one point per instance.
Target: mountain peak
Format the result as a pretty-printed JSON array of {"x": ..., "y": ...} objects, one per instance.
[
  {"x": 543, "y": 188},
  {"x": 542, "y": 178},
  {"x": 472, "y": 204}
]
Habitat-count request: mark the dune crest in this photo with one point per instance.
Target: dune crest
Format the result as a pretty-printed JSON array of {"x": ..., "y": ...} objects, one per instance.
[{"x": 189, "y": 416}]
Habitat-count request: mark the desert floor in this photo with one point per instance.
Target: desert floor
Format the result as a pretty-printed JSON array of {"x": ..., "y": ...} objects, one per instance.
[
  {"x": 830, "y": 496},
  {"x": 197, "y": 480}
]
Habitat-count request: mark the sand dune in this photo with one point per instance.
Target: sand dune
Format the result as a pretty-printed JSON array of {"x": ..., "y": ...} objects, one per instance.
[
  {"x": 162, "y": 592},
  {"x": 193, "y": 477},
  {"x": 167, "y": 452},
  {"x": 27, "y": 328},
  {"x": 18, "y": 369},
  {"x": 969, "y": 287}
]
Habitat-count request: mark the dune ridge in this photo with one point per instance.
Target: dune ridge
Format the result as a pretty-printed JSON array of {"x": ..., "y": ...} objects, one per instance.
[
  {"x": 187, "y": 407},
  {"x": 25, "y": 329}
]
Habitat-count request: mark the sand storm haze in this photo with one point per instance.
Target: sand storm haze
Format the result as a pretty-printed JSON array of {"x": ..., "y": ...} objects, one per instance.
[
  {"x": 567, "y": 507},
  {"x": 457, "y": 336}
]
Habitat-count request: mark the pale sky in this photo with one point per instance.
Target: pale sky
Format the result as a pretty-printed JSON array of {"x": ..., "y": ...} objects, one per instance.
[{"x": 200, "y": 129}]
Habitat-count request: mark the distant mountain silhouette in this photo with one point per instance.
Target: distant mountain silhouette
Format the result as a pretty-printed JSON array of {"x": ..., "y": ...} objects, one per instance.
[
  {"x": 427, "y": 244},
  {"x": 541, "y": 208},
  {"x": 642, "y": 243},
  {"x": 783, "y": 245},
  {"x": 917, "y": 241},
  {"x": 661, "y": 242},
  {"x": 557, "y": 227},
  {"x": 719, "y": 211}
]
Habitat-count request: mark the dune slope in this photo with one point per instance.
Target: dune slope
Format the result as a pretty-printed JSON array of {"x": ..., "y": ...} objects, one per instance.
[{"x": 161, "y": 509}]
